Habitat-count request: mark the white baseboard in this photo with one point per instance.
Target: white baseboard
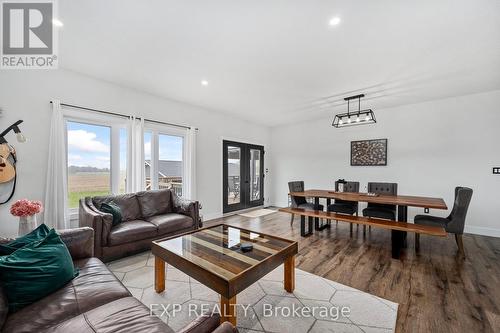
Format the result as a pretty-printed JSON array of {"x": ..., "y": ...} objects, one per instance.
[{"x": 484, "y": 231}]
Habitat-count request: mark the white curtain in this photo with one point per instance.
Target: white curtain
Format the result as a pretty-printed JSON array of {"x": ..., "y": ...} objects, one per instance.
[
  {"x": 190, "y": 169},
  {"x": 56, "y": 192},
  {"x": 135, "y": 155}
]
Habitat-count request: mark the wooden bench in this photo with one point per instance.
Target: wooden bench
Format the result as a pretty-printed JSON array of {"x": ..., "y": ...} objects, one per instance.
[{"x": 374, "y": 222}]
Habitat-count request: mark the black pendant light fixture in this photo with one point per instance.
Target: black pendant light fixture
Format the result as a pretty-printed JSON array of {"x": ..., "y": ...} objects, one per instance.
[{"x": 353, "y": 118}]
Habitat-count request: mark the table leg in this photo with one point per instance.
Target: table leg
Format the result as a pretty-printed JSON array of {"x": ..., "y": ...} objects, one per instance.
[
  {"x": 228, "y": 310},
  {"x": 290, "y": 274},
  {"x": 403, "y": 217},
  {"x": 316, "y": 219},
  {"x": 159, "y": 274},
  {"x": 303, "y": 232},
  {"x": 398, "y": 238}
]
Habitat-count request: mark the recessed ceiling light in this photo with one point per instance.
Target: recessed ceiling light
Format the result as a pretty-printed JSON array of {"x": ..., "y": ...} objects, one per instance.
[
  {"x": 204, "y": 82},
  {"x": 334, "y": 21},
  {"x": 57, "y": 23}
]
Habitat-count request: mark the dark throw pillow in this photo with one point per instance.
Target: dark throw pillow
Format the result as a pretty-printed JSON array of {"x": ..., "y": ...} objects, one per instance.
[
  {"x": 35, "y": 271},
  {"x": 113, "y": 209},
  {"x": 36, "y": 235}
]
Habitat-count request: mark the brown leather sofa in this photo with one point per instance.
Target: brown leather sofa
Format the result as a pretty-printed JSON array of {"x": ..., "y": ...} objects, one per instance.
[
  {"x": 147, "y": 215},
  {"x": 94, "y": 302}
]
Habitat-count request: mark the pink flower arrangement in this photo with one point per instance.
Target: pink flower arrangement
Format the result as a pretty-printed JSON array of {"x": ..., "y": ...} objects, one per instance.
[{"x": 25, "y": 207}]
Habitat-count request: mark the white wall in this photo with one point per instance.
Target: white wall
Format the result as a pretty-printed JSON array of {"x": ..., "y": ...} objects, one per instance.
[
  {"x": 432, "y": 148},
  {"x": 26, "y": 95}
]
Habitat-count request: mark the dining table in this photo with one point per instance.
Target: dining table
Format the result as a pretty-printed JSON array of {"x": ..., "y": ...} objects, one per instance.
[{"x": 398, "y": 238}]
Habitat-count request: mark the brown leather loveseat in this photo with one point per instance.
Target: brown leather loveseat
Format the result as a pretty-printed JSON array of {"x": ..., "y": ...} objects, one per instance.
[
  {"x": 147, "y": 215},
  {"x": 93, "y": 302}
]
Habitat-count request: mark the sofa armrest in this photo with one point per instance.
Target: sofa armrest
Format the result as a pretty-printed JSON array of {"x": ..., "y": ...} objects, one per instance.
[
  {"x": 203, "y": 324},
  {"x": 188, "y": 208},
  {"x": 80, "y": 242},
  {"x": 101, "y": 222}
]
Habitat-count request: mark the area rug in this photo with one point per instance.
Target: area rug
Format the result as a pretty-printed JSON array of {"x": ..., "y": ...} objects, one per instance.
[
  {"x": 258, "y": 213},
  {"x": 264, "y": 304}
]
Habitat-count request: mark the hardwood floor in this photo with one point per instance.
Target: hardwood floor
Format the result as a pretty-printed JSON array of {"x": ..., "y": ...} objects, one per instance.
[{"x": 436, "y": 291}]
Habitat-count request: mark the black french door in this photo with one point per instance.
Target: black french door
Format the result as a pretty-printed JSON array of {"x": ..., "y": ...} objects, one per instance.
[{"x": 243, "y": 175}]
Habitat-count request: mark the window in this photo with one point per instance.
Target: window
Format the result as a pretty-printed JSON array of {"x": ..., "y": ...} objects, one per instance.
[
  {"x": 89, "y": 161},
  {"x": 164, "y": 159},
  {"x": 170, "y": 166},
  {"x": 96, "y": 156}
]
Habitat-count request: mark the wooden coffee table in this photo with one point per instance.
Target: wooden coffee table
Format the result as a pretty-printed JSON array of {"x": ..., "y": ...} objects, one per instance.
[{"x": 213, "y": 257}]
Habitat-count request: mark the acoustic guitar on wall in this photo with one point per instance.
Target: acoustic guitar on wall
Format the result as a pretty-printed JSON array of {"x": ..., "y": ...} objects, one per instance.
[{"x": 7, "y": 170}]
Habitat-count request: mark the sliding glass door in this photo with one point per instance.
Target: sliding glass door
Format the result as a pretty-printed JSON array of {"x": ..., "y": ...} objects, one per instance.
[{"x": 243, "y": 175}]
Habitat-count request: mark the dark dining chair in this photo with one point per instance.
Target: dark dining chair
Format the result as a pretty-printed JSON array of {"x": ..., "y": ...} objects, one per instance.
[
  {"x": 454, "y": 223},
  {"x": 381, "y": 211},
  {"x": 301, "y": 202},
  {"x": 344, "y": 206}
]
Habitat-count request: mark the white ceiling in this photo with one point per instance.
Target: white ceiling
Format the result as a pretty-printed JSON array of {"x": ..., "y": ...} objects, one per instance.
[{"x": 276, "y": 62}]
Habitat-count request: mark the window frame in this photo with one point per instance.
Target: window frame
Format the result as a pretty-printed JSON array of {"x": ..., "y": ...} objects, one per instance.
[
  {"x": 159, "y": 129},
  {"x": 115, "y": 124}
]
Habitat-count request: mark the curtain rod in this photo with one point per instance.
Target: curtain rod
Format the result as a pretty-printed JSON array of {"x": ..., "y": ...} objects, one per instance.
[{"x": 123, "y": 115}]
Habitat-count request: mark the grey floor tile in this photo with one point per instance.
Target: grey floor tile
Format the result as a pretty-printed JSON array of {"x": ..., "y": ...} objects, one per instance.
[
  {"x": 326, "y": 311},
  {"x": 326, "y": 327},
  {"x": 119, "y": 275},
  {"x": 203, "y": 293},
  {"x": 247, "y": 318},
  {"x": 375, "y": 329},
  {"x": 312, "y": 287},
  {"x": 175, "y": 293},
  {"x": 251, "y": 295},
  {"x": 136, "y": 292},
  {"x": 365, "y": 309},
  {"x": 139, "y": 278},
  {"x": 129, "y": 263},
  {"x": 274, "y": 288},
  {"x": 275, "y": 316}
]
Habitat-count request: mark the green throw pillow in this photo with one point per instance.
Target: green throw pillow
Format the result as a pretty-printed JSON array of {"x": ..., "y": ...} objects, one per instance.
[
  {"x": 114, "y": 210},
  {"x": 35, "y": 271},
  {"x": 36, "y": 235}
]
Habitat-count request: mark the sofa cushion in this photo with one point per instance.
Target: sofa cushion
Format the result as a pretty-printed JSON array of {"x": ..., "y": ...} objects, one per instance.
[
  {"x": 155, "y": 202},
  {"x": 172, "y": 222},
  {"x": 94, "y": 286},
  {"x": 36, "y": 270},
  {"x": 131, "y": 231},
  {"x": 123, "y": 315},
  {"x": 127, "y": 202}
]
